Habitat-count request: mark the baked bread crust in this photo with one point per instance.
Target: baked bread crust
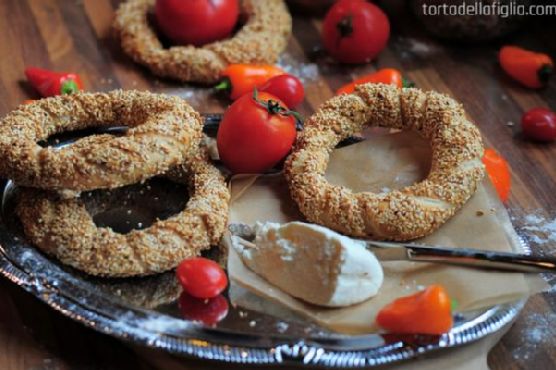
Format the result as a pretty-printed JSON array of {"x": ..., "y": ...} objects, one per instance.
[
  {"x": 404, "y": 214},
  {"x": 64, "y": 229},
  {"x": 261, "y": 40},
  {"x": 162, "y": 129}
]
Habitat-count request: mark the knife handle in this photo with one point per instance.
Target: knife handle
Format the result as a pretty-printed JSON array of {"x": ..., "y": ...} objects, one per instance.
[{"x": 482, "y": 259}]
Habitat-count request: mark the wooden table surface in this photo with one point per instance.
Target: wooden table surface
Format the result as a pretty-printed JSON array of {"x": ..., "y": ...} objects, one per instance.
[{"x": 74, "y": 35}]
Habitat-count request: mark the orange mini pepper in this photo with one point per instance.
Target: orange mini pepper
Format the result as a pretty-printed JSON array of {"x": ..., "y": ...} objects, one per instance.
[
  {"x": 425, "y": 312},
  {"x": 240, "y": 79},
  {"x": 499, "y": 173},
  {"x": 529, "y": 68},
  {"x": 386, "y": 76}
]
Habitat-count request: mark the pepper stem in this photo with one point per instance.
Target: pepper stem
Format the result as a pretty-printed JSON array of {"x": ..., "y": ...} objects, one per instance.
[
  {"x": 544, "y": 73},
  {"x": 224, "y": 85},
  {"x": 407, "y": 83},
  {"x": 69, "y": 87}
]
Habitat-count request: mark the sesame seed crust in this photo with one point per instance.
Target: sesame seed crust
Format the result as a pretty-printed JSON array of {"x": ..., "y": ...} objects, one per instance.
[
  {"x": 162, "y": 129},
  {"x": 63, "y": 227},
  {"x": 261, "y": 40},
  {"x": 404, "y": 214}
]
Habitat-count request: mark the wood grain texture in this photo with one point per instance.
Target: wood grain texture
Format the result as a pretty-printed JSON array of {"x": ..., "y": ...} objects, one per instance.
[{"x": 75, "y": 35}]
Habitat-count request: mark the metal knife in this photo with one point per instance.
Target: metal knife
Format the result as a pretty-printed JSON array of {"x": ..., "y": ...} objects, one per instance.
[{"x": 477, "y": 258}]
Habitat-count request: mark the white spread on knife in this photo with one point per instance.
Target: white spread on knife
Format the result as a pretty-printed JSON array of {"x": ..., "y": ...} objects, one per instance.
[{"x": 313, "y": 263}]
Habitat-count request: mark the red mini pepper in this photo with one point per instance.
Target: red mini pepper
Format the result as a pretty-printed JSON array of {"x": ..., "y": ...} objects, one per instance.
[
  {"x": 498, "y": 171},
  {"x": 49, "y": 83},
  {"x": 426, "y": 312},
  {"x": 529, "y": 68},
  {"x": 240, "y": 79},
  {"x": 388, "y": 76}
]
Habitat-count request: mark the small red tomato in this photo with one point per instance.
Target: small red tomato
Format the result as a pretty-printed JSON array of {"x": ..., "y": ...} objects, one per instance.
[
  {"x": 196, "y": 22},
  {"x": 539, "y": 124},
  {"x": 355, "y": 31},
  {"x": 255, "y": 133},
  {"x": 201, "y": 277},
  {"x": 287, "y": 88},
  {"x": 208, "y": 311}
]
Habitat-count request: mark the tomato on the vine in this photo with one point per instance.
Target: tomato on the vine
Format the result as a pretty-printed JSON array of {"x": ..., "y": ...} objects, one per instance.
[
  {"x": 539, "y": 124},
  {"x": 201, "y": 277},
  {"x": 208, "y": 311},
  {"x": 256, "y": 132},
  {"x": 287, "y": 88},
  {"x": 196, "y": 22},
  {"x": 355, "y": 31}
]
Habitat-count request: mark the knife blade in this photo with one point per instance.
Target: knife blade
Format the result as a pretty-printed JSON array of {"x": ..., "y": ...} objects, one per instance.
[{"x": 477, "y": 258}]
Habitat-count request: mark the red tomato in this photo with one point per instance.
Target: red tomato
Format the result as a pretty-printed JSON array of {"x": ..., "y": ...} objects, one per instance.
[
  {"x": 355, "y": 31},
  {"x": 196, "y": 22},
  {"x": 201, "y": 277},
  {"x": 539, "y": 124},
  {"x": 286, "y": 87},
  {"x": 255, "y": 135},
  {"x": 208, "y": 311},
  {"x": 498, "y": 171}
]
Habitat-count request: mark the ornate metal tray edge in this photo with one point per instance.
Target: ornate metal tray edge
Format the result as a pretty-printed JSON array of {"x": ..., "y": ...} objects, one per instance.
[
  {"x": 186, "y": 338},
  {"x": 298, "y": 353}
]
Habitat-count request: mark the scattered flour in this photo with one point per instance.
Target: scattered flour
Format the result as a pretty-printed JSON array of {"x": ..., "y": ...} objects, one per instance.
[
  {"x": 410, "y": 47},
  {"x": 306, "y": 72},
  {"x": 164, "y": 324},
  {"x": 195, "y": 96},
  {"x": 538, "y": 328},
  {"x": 540, "y": 230},
  {"x": 28, "y": 255},
  {"x": 154, "y": 324},
  {"x": 282, "y": 326}
]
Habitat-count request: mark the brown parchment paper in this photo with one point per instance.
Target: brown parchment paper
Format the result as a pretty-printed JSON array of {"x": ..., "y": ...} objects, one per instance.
[{"x": 381, "y": 163}]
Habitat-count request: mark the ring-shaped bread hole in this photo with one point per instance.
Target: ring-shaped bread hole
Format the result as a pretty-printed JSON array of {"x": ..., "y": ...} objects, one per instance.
[
  {"x": 137, "y": 206},
  {"x": 132, "y": 207},
  {"x": 386, "y": 160},
  {"x": 63, "y": 139},
  {"x": 167, "y": 43}
]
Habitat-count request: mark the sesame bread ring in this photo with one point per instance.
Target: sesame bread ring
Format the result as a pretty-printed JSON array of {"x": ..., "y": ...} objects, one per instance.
[
  {"x": 161, "y": 131},
  {"x": 411, "y": 212},
  {"x": 260, "y": 40},
  {"x": 65, "y": 229}
]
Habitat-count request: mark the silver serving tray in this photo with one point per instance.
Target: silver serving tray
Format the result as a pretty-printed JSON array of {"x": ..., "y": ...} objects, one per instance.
[{"x": 144, "y": 310}]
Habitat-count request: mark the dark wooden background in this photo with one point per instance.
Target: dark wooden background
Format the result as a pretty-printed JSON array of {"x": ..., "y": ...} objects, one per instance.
[{"x": 74, "y": 35}]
